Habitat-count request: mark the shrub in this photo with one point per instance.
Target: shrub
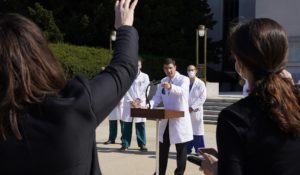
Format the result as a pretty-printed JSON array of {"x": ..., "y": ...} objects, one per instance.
[{"x": 81, "y": 59}]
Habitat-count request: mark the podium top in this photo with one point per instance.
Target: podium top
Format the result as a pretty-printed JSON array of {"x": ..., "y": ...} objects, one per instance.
[{"x": 156, "y": 113}]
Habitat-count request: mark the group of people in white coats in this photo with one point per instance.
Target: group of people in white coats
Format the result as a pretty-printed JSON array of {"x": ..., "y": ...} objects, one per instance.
[
  {"x": 176, "y": 92},
  {"x": 134, "y": 98}
]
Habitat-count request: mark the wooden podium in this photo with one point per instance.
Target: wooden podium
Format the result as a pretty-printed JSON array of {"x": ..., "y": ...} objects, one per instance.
[{"x": 156, "y": 114}]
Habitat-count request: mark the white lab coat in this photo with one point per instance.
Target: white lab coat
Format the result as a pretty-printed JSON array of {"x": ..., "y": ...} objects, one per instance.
[
  {"x": 197, "y": 98},
  {"x": 137, "y": 90},
  {"x": 180, "y": 129},
  {"x": 116, "y": 113}
]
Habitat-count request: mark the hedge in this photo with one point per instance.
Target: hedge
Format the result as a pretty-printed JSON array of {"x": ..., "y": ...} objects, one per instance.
[
  {"x": 81, "y": 59},
  {"x": 89, "y": 60}
]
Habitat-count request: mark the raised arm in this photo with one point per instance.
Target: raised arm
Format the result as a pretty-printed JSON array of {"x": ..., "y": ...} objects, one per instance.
[{"x": 107, "y": 88}]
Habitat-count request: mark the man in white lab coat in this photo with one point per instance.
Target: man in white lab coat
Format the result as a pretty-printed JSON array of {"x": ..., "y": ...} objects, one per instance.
[
  {"x": 174, "y": 93},
  {"x": 197, "y": 98},
  {"x": 135, "y": 98},
  {"x": 113, "y": 118}
]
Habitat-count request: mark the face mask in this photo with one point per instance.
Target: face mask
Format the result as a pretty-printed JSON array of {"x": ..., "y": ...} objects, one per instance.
[
  {"x": 191, "y": 74},
  {"x": 238, "y": 71}
]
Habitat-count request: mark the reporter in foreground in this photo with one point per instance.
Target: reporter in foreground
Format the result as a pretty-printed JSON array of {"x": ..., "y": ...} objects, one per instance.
[
  {"x": 260, "y": 133},
  {"x": 47, "y": 124}
]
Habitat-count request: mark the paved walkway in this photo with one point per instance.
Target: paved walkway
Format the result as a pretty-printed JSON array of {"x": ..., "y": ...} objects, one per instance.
[{"x": 134, "y": 162}]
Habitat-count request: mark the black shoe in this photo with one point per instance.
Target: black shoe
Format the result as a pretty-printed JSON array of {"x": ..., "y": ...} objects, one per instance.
[
  {"x": 143, "y": 148},
  {"x": 123, "y": 148},
  {"x": 109, "y": 142}
]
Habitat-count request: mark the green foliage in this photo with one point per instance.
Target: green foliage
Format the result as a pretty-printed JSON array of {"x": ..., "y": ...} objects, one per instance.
[
  {"x": 89, "y": 61},
  {"x": 44, "y": 18},
  {"x": 168, "y": 28},
  {"x": 153, "y": 66},
  {"x": 80, "y": 59}
]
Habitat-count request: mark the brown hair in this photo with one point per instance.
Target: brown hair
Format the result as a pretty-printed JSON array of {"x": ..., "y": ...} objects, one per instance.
[
  {"x": 261, "y": 45},
  {"x": 28, "y": 70},
  {"x": 169, "y": 61}
]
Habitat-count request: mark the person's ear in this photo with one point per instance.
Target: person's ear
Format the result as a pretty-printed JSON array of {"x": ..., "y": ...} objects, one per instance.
[
  {"x": 238, "y": 66},
  {"x": 243, "y": 71}
]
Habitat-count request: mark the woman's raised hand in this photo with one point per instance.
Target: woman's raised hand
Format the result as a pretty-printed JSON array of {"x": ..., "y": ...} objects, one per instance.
[{"x": 124, "y": 12}]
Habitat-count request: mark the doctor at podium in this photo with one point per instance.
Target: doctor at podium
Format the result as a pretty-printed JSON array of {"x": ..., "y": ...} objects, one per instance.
[{"x": 173, "y": 92}]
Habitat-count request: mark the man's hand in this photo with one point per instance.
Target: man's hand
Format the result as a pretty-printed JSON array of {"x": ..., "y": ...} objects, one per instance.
[
  {"x": 135, "y": 104},
  {"x": 166, "y": 85},
  {"x": 124, "y": 12}
]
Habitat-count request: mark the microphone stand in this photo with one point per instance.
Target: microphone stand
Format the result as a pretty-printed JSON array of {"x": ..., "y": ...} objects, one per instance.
[
  {"x": 146, "y": 93},
  {"x": 152, "y": 83}
]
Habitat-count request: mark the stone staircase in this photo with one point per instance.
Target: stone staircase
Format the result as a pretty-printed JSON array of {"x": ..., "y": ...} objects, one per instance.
[{"x": 213, "y": 106}]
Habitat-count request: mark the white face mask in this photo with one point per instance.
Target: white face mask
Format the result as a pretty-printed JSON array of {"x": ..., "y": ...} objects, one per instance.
[{"x": 191, "y": 74}]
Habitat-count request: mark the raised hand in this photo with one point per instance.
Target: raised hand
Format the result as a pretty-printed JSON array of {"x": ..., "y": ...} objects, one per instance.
[{"x": 124, "y": 12}]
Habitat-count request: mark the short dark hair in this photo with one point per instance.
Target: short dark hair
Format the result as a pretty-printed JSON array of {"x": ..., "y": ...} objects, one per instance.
[{"x": 169, "y": 61}]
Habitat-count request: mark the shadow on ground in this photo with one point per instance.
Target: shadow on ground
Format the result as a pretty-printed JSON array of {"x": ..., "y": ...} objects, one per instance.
[{"x": 151, "y": 154}]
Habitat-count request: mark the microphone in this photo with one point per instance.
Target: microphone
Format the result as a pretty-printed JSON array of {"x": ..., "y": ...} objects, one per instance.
[
  {"x": 155, "y": 82},
  {"x": 152, "y": 83},
  {"x": 195, "y": 159}
]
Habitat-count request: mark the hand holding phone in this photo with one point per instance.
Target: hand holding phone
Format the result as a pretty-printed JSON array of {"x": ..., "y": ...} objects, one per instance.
[
  {"x": 211, "y": 151},
  {"x": 195, "y": 159}
]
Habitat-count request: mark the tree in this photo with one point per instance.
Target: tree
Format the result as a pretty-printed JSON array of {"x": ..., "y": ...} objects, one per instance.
[
  {"x": 44, "y": 18},
  {"x": 168, "y": 28}
]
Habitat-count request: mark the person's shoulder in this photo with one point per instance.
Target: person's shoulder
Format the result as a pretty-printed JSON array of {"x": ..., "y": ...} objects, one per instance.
[
  {"x": 242, "y": 112},
  {"x": 73, "y": 96},
  {"x": 75, "y": 86},
  {"x": 144, "y": 75},
  {"x": 182, "y": 77},
  {"x": 200, "y": 82}
]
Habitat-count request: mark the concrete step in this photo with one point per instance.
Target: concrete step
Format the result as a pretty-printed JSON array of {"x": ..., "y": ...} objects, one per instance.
[
  {"x": 211, "y": 112},
  {"x": 224, "y": 104},
  {"x": 228, "y": 100},
  {"x": 214, "y": 108},
  {"x": 210, "y": 117},
  {"x": 210, "y": 122}
]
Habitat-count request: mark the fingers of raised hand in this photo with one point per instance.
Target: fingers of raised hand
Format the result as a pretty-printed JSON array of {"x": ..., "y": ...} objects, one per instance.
[
  {"x": 132, "y": 7},
  {"x": 126, "y": 4}
]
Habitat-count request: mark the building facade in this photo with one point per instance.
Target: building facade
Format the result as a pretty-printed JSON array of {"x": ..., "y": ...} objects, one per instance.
[{"x": 285, "y": 12}]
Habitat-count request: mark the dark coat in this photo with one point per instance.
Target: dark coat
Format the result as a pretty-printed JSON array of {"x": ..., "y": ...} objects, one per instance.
[{"x": 59, "y": 133}]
